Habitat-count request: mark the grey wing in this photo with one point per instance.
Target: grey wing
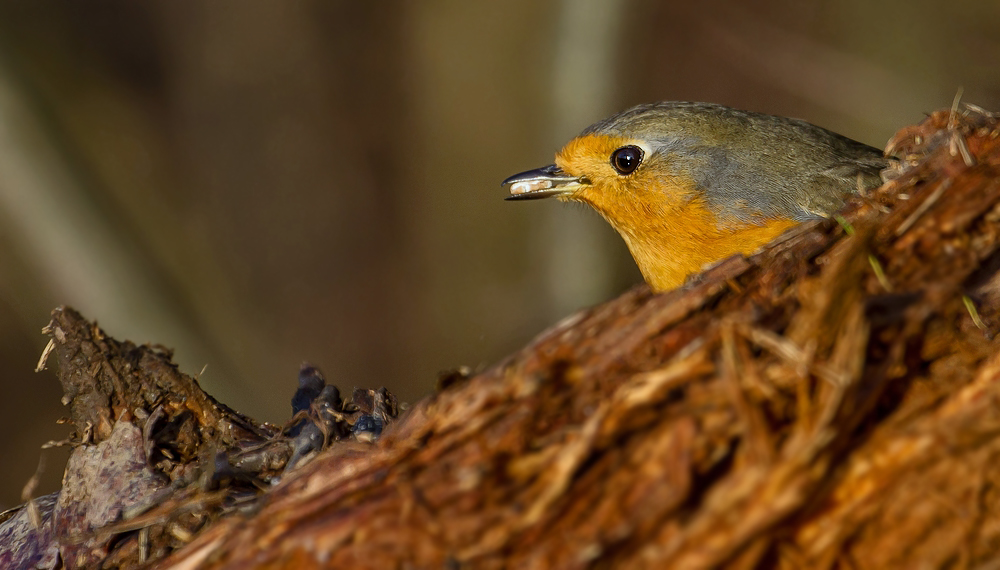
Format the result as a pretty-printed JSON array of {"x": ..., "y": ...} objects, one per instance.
[{"x": 827, "y": 192}]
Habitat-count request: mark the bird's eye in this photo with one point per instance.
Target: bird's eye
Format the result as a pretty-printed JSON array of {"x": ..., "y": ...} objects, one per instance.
[{"x": 626, "y": 159}]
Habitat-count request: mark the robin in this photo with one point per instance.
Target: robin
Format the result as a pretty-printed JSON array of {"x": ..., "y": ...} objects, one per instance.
[{"x": 688, "y": 184}]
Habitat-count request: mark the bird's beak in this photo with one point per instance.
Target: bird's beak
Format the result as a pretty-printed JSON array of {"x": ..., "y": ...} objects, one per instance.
[{"x": 542, "y": 183}]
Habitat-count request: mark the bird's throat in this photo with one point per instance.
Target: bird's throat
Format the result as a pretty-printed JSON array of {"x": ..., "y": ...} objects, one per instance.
[{"x": 666, "y": 256}]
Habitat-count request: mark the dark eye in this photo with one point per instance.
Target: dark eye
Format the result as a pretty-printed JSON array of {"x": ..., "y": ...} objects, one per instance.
[{"x": 626, "y": 159}]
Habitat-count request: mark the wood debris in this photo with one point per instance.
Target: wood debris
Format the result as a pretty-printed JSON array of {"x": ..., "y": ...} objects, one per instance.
[{"x": 831, "y": 402}]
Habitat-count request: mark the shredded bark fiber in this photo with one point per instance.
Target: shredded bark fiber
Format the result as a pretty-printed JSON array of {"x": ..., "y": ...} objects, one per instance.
[{"x": 831, "y": 402}]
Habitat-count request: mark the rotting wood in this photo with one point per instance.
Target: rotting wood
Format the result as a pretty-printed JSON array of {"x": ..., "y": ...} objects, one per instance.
[{"x": 830, "y": 402}]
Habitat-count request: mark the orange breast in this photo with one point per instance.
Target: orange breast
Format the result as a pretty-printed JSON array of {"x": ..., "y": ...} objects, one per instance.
[
  {"x": 668, "y": 253},
  {"x": 672, "y": 233}
]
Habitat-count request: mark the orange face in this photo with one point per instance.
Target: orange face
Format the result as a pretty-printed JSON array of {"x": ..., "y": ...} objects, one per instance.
[
  {"x": 627, "y": 199},
  {"x": 656, "y": 207}
]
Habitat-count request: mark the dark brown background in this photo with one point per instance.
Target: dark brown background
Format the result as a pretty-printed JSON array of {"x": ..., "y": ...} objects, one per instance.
[{"x": 260, "y": 183}]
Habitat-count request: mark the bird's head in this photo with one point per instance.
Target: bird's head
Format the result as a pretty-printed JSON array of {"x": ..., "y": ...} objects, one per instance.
[
  {"x": 622, "y": 176},
  {"x": 687, "y": 184}
]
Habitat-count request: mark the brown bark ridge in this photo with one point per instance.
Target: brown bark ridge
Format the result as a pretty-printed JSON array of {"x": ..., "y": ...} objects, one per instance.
[{"x": 830, "y": 402}]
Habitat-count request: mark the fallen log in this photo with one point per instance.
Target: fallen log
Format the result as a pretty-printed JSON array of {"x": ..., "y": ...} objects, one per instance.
[{"x": 830, "y": 402}]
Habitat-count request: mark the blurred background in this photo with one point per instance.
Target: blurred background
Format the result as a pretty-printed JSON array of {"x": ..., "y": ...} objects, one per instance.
[{"x": 260, "y": 183}]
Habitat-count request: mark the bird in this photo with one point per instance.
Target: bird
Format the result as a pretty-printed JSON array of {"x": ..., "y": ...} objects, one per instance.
[{"x": 688, "y": 184}]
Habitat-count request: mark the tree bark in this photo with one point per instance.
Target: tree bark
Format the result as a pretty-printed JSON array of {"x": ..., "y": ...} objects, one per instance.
[{"x": 830, "y": 402}]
